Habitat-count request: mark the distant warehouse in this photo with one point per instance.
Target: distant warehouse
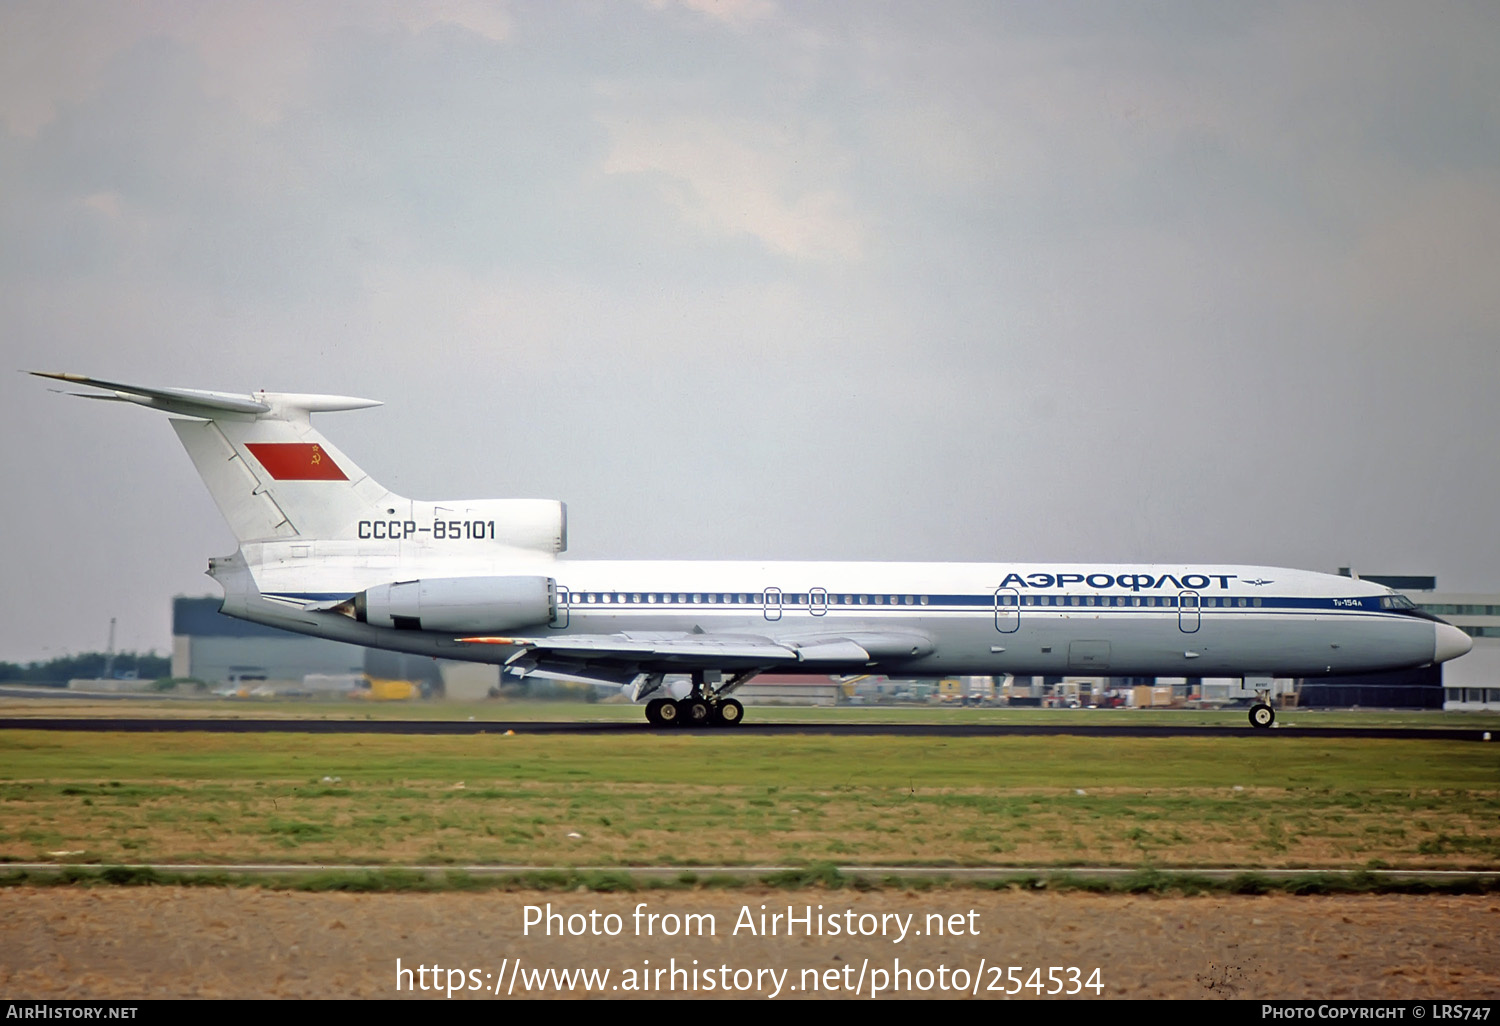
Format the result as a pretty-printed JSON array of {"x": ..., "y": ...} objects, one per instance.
[
  {"x": 1469, "y": 682},
  {"x": 223, "y": 650}
]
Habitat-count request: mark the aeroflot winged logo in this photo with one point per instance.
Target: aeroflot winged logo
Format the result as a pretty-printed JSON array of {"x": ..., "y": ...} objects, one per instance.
[{"x": 296, "y": 461}]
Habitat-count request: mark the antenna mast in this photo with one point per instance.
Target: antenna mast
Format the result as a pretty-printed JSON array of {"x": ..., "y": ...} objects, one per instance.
[{"x": 109, "y": 655}]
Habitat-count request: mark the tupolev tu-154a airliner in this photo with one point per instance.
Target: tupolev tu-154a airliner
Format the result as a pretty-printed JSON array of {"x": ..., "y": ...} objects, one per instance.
[{"x": 325, "y": 550}]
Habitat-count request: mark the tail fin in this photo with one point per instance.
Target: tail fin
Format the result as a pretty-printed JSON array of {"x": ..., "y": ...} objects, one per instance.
[{"x": 270, "y": 472}]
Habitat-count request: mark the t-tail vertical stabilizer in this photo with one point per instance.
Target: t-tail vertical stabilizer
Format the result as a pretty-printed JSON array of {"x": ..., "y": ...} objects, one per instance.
[
  {"x": 271, "y": 473},
  {"x": 289, "y": 494}
]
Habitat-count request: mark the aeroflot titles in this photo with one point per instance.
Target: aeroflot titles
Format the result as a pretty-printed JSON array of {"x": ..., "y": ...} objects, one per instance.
[{"x": 1135, "y": 582}]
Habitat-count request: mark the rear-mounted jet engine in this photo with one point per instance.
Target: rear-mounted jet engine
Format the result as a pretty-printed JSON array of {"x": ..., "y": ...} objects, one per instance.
[{"x": 461, "y": 604}]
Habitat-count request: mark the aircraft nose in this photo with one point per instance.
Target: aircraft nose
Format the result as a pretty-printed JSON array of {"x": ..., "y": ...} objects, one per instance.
[{"x": 1451, "y": 643}]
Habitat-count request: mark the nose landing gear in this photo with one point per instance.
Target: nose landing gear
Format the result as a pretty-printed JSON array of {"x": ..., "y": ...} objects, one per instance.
[{"x": 1262, "y": 715}]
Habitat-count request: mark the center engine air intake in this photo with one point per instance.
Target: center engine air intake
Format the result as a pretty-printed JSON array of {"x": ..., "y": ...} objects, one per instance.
[{"x": 466, "y": 604}]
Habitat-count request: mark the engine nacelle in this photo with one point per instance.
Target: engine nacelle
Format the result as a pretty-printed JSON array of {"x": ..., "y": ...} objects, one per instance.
[
  {"x": 537, "y": 524},
  {"x": 459, "y": 604}
]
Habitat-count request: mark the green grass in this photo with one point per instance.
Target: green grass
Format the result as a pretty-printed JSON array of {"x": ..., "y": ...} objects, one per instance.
[
  {"x": 123, "y": 765},
  {"x": 725, "y": 799}
]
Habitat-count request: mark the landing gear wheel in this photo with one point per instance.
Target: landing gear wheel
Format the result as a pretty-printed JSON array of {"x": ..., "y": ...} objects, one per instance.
[
  {"x": 693, "y": 712},
  {"x": 729, "y": 713},
  {"x": 1262, "y": 715},
  {"x": 661, "y": 712}
]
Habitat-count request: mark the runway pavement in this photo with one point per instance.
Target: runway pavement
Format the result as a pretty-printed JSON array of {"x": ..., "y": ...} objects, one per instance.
[{"x": 615, "y": 728}]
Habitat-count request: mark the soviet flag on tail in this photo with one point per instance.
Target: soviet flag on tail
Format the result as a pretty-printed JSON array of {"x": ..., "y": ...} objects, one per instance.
[{"x": 296, "y": 461}]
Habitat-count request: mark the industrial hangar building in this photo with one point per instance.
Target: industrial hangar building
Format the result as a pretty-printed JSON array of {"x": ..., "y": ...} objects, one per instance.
[
  {"x": 1470, "y": 682},
  {"x": 221, "y": 650},
  {"x": 1473, "y": 681}
]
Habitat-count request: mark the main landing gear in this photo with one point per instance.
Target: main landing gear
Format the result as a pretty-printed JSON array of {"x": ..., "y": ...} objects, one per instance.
[
  {"x": 705, "y": 706},
  {"x": 694, "y": 712}
]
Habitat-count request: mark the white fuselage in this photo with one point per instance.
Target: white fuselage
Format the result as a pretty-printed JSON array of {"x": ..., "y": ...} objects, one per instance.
[
  {"x": 981, "y": 618},
  {"x": 326, "y": 550}
]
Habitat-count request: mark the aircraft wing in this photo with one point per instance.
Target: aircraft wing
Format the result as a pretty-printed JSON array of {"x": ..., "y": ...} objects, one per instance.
[{"x": 619, "y": 657}]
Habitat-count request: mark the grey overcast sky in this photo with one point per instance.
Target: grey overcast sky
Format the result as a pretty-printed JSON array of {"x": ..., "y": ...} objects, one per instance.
[{"x": 754, "y": 278}]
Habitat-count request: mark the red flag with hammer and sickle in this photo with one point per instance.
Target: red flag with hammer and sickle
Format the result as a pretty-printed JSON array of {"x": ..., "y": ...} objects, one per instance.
[{"x": 296, "y": 461}]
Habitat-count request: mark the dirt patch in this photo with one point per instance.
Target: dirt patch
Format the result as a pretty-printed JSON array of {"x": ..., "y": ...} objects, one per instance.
[{"x": 245, "y": 943}]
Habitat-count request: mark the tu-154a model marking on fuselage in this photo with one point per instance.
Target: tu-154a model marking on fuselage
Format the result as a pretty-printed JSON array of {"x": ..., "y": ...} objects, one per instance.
[{"x": 326, "y": 551}]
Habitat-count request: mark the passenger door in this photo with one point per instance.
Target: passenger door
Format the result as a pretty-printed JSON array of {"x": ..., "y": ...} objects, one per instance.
[
  {"x": 1189, "y": 618},
  {"x": 1007, "y": 610}
]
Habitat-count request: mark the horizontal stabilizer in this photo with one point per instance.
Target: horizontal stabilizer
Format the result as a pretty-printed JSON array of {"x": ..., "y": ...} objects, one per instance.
[
  {"x": 193, "y": 402},
  {"x": 189, "y": 401}
]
